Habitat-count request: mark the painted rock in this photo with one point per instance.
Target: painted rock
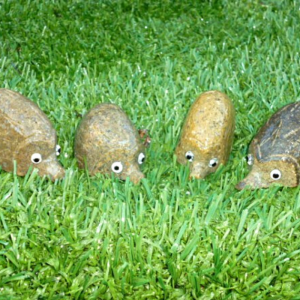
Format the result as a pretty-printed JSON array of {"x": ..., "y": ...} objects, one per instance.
[
  {"x": 106, "y": 141},
  {"x": 27, "y": 136},
  {"x": 207, "y": 134},
  {"x": 274, "y": 154}
]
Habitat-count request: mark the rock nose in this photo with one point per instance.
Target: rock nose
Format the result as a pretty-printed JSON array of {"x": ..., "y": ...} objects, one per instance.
[
  {"x": 55, "y": 171},
  {"x": 59, "y": 175},
  {"x": 240, "y": 185},
  {"x": 136, "y": 177},
  {"x": 198, "y": 171},
  {"x": 196, "y": 176},
  {"x": 134, "y": 173}
]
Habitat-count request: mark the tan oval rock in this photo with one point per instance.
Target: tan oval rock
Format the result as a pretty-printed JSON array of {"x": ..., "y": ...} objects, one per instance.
[{"x": 207, "y": 134}]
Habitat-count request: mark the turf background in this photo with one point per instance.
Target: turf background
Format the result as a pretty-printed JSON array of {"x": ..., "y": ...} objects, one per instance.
[{"x": 168, "y": 237}]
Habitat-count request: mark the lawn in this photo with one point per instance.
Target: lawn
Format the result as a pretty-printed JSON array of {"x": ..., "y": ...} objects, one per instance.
[{"x": 167, "y": 237}]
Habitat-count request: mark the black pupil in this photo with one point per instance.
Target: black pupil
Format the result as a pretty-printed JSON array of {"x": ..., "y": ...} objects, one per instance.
[
  {"x": 275, "y": 175},
  {"x": 214, "y": 164},
  {"x": 143, "y": 159},
  {"x": 36, "y": 160},
  {"x": 58, "y": 150},
  {"x": 117, "y": 168},
  {"x": 189, "y": 156}
]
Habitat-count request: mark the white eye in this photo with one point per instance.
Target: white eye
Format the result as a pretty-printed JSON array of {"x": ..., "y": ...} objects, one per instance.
[
  {"x": 57, "y": 150},
  {"x": 117, "y": 167},
  {"x": 213, "y": 162},
  {"x": 141, "y": 158},
  {"x": 275, "y": 174},
  {"x": 36, "y": 158},
  {"x": 250, "y": 159},
  {"x": 189, "y": 156}
]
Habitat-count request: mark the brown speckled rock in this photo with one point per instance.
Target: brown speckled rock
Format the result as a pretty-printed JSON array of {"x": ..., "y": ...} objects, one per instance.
[
  {"x": 207, "y": 134},
  {"x": 274, "y": 154},
  {"x": 26, "y": 136},
  {"x": 106, "y": 141}
]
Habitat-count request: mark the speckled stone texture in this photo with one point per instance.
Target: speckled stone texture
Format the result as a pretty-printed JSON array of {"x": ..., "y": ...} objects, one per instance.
[
  {"x": 25, "y": 130},
  {"x": 275, "y": 151},
  {"x": 207, "y": 133},
  {"x": 106, "y": 136}
]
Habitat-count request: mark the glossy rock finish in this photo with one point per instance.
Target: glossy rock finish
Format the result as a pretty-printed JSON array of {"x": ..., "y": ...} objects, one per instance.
[{"x": 207, "y": 134}]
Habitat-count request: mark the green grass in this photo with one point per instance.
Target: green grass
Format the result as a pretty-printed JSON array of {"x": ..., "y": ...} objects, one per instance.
[{"x": 168, "y": 237}]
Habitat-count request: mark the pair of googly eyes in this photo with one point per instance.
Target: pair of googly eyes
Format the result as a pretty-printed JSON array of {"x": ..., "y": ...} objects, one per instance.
[
  {"x": 36, "y": 158},
  {"x": 117, "y": 166},
  {"x": 190, "y": 157},
  {"x": 274, "y": 174}
]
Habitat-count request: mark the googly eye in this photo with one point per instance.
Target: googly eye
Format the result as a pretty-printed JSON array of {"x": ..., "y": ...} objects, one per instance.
[
  {"x": 275, "y": 174},
  {"x": 250, "y": 159},
  {"x": 141, "y": 158},
  {"x": 57, "y": 150},
  {"x": 213, "y": 162},
  {"x": 117, "y": 167},
  {"x": 36, "y": 158},
  {"x": 189, "y": 156}
]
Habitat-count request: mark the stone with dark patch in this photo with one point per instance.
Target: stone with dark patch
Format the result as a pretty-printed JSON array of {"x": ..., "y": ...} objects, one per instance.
[{"x": 274, "y": 154}]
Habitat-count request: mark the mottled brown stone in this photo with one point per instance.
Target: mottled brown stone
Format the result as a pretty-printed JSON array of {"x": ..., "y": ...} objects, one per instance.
[
  {"x": 105, "y": 137},
  {"x": 25, "y": 132},
  {"x": 207, "y": 133},
  {"x": 274, "y": 154}
]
